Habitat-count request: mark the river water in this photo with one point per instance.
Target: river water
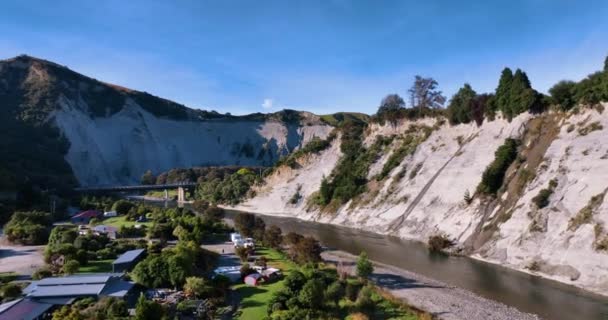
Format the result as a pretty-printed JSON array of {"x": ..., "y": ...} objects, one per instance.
[{"x": 528, "y": 293}]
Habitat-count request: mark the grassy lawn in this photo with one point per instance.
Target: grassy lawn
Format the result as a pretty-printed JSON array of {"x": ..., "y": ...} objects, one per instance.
[
  {"x": 161, "y": 193},
  {"x": 97, "y": 266},
  {"x": 122, "y": 221},
  {"x": 254, "y": 300}
]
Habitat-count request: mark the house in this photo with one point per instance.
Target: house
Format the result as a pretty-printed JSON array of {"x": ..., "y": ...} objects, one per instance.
[
  {"x": 109, "y": 231},
  {"x": 44, "y": 296},
  {"x": 27, "y": 309},
  {"x": 63, "y": 290},
  {"x": 109, "y": 214},
  {"x": 85, "y": 217},
  {"x": 128, "y": 260}
]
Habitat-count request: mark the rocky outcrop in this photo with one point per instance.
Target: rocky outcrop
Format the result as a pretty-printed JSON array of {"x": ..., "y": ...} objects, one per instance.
[{"x": 425, "y": 194}]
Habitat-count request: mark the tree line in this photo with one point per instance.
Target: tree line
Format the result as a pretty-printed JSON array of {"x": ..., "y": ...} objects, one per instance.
[{"x": 514, "y": 95}]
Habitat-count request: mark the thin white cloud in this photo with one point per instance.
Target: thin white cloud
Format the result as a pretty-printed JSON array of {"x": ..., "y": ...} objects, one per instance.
[{"x": 268, "y": 103}]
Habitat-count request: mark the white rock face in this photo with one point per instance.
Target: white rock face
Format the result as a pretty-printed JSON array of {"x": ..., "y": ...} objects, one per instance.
[
  {"x": 121, "y": 147},
  {"x": 431, "y": 202}
]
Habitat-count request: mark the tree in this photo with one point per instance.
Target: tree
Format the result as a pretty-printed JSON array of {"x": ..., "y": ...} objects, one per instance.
[
  {"x": 273, "y": 237},
  {"x": 606, "y": 64},
  {"x": 293, "y": 238},
  {"x": 521, "y": 94},
  {"x": 325, "y": 192},
  {"x": 306, "y": 250},
  {"x": 294, "y": 281},
  {"x": 242, "y": 253},
  {"x": 390, "y": 108},
  {"x": 259, "y": 228},
  {"x": 196, "y": 287},
  {"x": 148, "y": 178},
  {"x": 29, "y": 228},
  {"x": 334, "y": 292},
  {"x": 311, "y": 295},
  {"x": 179, "y": 266},
  {"x": 480, "y": 106},
  {"x": 503, "y": 100},
  {"x": 562, "y": 94},
  {"x": 245, "y": 223},
  {"x": 70, "y": 267},
  {"x": 424, "y": 94},
  {"x": 11, "y": 290},
  {"x": 122, "y": 206},
  {"x": 364, "y": 267},
  {"x": 148, "y": 310},
  {"x": 200, "y": 206},
  {"x": 461, "y": 105}
]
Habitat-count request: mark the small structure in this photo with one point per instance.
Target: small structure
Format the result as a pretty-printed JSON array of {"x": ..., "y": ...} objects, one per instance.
[
  {"x": 271, "y": 274},
  {"x": 128, "y": 260},
  {"x": 85, "y": 217},
  {"x": 232, "y": 272},
  {"x": 109, "y": 231},
  {"x": 254, "y": 279},
  {"x": 109, "y": 214}
]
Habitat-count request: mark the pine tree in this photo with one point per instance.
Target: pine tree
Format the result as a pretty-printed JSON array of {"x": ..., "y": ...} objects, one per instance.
[
  {"x": 606, "y": 64},
  {"x": 502, "y": 98},
  {"x": 522, "y": 96}
]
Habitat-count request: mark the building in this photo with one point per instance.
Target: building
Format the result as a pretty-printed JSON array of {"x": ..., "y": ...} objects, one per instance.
[
  {"x": 25, "y": 309},
  {"x": 44, "y": 296},
  {"x": 109, "y": 231},
  {"x": 85, "y": 217},
  {"x": 128, "y": 260},
  {"x": 109, "y": 214},
  {"x": 62, "y": 290}
]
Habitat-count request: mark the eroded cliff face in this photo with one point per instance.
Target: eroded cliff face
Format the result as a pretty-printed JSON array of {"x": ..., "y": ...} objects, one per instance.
[
  {"x": 121, "y": 147},
  {"x": 424, "y": 195},
  {"x": 115, "y": 134}
]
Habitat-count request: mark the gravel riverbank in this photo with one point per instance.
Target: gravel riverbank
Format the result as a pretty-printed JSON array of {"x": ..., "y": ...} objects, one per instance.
[{"x": 442, "y": 300}]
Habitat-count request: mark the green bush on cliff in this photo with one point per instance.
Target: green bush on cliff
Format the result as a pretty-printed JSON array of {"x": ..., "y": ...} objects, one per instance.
[{"x": 494, "y": 174}]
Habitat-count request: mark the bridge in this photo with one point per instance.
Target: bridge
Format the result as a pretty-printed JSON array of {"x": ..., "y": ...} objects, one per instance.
[{"x": 181, "y": 187}]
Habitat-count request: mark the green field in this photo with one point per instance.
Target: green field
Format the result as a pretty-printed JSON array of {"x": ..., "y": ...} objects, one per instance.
[
  {"x": 97, "y": 266},
  {"x": 254, "y": 300},
  {"x": 122, "y": 221}
]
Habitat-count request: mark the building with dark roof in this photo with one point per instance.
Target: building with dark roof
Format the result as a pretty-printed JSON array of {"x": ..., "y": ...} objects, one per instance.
[
  {"x": 43, "y": 296},
  {"x": 25, "y": 309},
  {"x": 128, "y": 260},
  {"x": 85, "y": 217},
  {"x": 77, "y": 286}
]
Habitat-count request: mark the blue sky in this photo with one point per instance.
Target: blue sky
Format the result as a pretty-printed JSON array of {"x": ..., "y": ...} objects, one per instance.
[{"x": 320, "y": 56}]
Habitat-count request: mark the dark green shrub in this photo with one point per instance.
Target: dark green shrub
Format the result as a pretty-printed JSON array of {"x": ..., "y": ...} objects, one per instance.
[{"x": 494, "y": 174}]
